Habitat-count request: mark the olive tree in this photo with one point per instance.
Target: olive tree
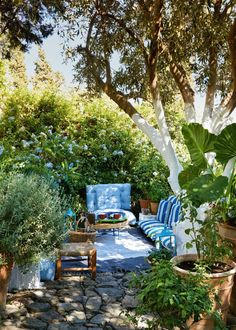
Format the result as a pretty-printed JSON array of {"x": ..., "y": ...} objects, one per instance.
[{"x": 165, "y": 48}]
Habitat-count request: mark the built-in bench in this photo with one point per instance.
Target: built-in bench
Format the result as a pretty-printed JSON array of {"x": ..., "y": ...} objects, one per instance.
[{"x": 160, "y": 227}]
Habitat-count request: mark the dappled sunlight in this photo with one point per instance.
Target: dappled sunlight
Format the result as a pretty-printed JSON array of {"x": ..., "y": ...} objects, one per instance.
[{"x": 121, "y": 247}]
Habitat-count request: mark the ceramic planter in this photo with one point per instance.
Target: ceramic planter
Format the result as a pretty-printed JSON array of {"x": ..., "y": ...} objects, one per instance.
[
  {"x": 144, "y": 203},
  {"x": 222, "y": 282},
  {"x": 229, "y": 232}
]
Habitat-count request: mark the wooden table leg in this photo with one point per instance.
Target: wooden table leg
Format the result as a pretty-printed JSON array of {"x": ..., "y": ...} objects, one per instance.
[
  {"x": 58, "y": 268},
  {"x": 93, "y": 263}
]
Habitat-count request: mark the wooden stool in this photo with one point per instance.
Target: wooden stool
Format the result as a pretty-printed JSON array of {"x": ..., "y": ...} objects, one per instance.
[{"x": 77, "y": 250}]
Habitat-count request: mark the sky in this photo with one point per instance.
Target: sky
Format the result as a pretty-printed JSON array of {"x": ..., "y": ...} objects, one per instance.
[{"x": 53, "y": 50}]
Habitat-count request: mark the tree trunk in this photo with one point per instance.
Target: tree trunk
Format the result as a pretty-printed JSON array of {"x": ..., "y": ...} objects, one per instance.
[{"x": 5, "y": 274}]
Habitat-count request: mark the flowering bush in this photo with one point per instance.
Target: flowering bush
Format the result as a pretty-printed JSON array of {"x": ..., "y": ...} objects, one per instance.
[{"x": 85, "y": 143}]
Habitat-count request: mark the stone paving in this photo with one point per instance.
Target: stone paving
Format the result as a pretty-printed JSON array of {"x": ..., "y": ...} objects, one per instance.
[
  {"x": 74, "y": 302},
  {"x": 77, "y": 303}
]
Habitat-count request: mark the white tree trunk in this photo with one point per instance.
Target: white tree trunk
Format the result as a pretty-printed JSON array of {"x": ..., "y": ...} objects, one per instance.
[
  {"x": 164, "y": 146},
  {"x": 190, "y": 114}
]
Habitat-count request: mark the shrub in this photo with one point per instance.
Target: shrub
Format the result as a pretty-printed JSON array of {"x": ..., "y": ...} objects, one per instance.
[{"x": 31, "y": 217}]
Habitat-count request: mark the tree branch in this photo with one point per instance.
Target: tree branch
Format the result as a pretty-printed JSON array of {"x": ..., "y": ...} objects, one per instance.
[{"x": 130, "y": 32}]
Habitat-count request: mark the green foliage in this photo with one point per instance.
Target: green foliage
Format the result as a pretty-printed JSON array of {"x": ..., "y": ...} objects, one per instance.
[
  {"x": 31, "y": 217},
  {"x": 170, "y": 298},
  {"x": 155, "y": 255},
  {"x": 23, "y": 22},
  {"x": 225, "y": 144},
  {"x": 44, "y": 77},
  {"x": 204, "y": 234},
  {"x": 206, "y": 187},
  {"x": 77, "y": 143}
]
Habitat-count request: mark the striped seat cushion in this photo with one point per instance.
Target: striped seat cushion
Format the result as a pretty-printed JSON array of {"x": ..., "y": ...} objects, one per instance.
[
  {"x": 167, "y": 242},
  {"x": 144, "y": 223},
  {"x": 154, "y": 231}
]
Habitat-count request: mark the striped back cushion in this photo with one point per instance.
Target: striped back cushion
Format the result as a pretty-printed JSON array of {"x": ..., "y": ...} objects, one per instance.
[
  {"x": 163, "y": 211},
  {"x": 174, "y": 215},
  {"x": 172, "y": 199}
]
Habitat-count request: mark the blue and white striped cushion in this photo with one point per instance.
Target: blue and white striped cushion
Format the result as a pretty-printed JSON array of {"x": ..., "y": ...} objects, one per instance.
[
  {"x": 172, "y": 199},
  {"x": 163, "y": 211},
  {"x": 174, "y": 215},
  {"x": 167, "y": 242},
  {"x": 154, "y": 231},
  {"x": 148, "y": 223}
]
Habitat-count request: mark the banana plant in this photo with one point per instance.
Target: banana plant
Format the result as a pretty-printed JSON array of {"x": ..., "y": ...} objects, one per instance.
[{"x": 198, "y": 179}]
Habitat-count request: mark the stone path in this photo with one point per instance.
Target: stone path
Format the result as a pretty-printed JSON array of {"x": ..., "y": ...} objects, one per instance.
[{"x": 76, "y": 302}]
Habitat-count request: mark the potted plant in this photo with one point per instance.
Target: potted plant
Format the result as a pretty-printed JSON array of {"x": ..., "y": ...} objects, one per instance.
[
  {"x": 31, "y": 223},
  {"x": 157, "y": 192},
  {"x": 80, "y": 229},
  {"x": 206, "y": 182},
  {"x": 173, "y": 300}
]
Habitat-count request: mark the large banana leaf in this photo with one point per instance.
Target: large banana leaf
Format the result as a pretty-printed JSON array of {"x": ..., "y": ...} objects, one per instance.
[
  {"x": 206, "y": 188},
  {"x": 225, "y": 145},
  {"x": 188, "y": 175},
  {"x": 198, "y": 141}
]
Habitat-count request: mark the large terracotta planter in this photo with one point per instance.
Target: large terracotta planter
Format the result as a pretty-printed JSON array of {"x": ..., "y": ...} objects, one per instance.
[
  {"x": 5, "y": 274},
  {"x": 144, "y": 203},
  {"x": 229, "y": 232},
  {"x": 153, "y": 207},
  {"x": 222, "y": 282}
]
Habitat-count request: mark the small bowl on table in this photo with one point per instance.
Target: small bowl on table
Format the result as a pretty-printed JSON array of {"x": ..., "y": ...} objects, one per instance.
[
  {"x": 102, "y": 216},
  {"x": 117, "y": 215}
]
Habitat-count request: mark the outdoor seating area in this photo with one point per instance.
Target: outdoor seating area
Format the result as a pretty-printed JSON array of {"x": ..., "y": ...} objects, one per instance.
[{"x": 118, "y": 165}]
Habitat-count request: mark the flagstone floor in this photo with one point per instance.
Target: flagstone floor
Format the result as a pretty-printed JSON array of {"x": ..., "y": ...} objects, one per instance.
[{"x": 76, "y": 302}]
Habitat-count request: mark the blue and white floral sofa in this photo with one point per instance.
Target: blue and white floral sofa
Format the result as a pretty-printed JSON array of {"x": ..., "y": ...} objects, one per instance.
[
  {"x": 168, "y": 215},
  {"x": 108, "y": 198}
]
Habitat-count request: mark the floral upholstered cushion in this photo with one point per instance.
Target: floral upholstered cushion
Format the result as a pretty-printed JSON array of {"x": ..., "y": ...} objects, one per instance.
[{"x": 108, "y": 197}]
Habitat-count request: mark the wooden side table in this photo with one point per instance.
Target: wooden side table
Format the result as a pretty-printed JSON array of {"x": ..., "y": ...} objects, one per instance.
[{"x": 77, "y": 250}]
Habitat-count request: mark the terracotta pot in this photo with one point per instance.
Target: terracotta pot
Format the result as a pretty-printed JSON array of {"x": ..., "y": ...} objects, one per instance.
[
  {"x": 154, "y": 207},
  {"x": 222, "y": 282},
  {"x": 5, "y": 274},
  {"x": 144, "y": 203},
  {"x": 229, "y": 232}
]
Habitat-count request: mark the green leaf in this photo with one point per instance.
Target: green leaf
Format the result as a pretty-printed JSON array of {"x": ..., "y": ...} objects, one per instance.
[
  {"x": 188, "y": 175},
  {"x": 206, "y": 188},
  {"x": 225, "y": 144},
  {"x": 198, "y": 141}
]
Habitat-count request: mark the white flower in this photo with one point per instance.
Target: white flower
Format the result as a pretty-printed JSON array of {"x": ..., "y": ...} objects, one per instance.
[
  {"x": 49, "y": 165},
  {"x": 42, "y": 134},
  {"x": 50, "y": 132},
  {"x": 70, "y": 148},
  {"x": 12, "y": 118},
  {"x": 155, "y": 173},
  {"x": 120, "y": 153},
  {"x": 71, "y": 165},
  {"x": 105, "y": 158},
  {"x": 1, "y": 150},
  {"x": 103, "y": 146},
  {"x": 33, "y": 136},
  {"x": 114, "y": 152},
  {"x": 25, "y": 143},
  {"x": 22, "y": 129},
  {"x": 85, "y": 147},
  {"x": 13, "y": 148},
  {"x": 93, "y": 158}
]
